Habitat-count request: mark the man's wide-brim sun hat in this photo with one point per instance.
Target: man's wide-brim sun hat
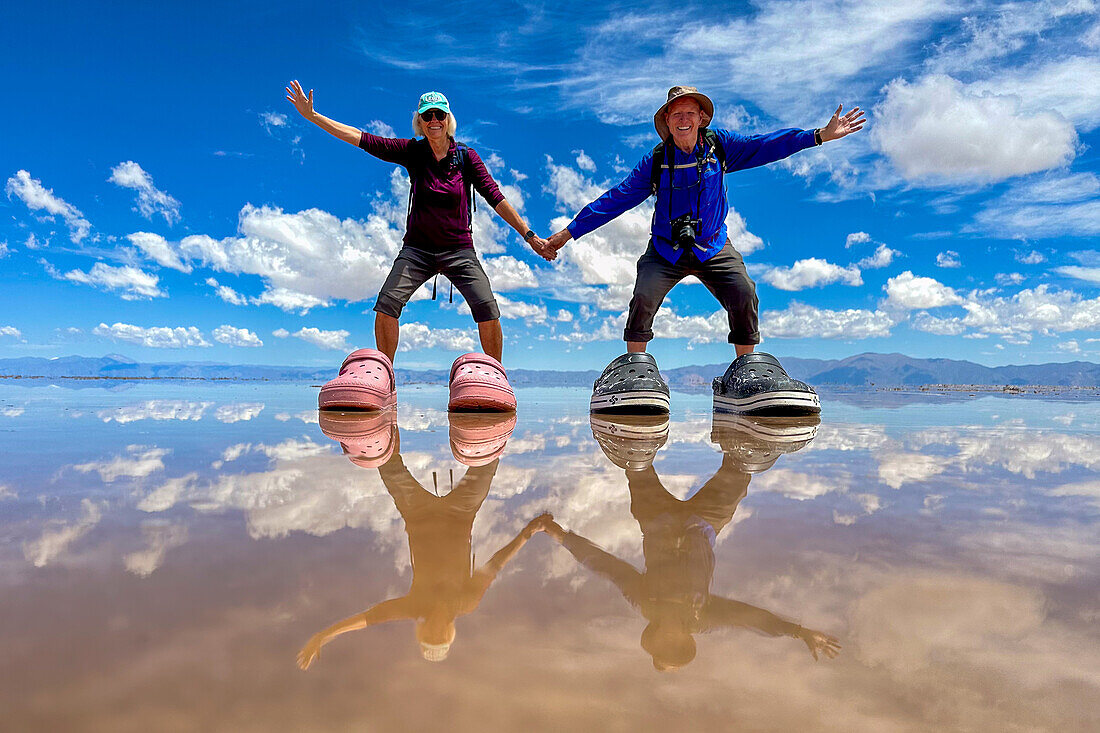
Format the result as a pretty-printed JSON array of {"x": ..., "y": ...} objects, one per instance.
[
  {"x": 432, "y": 100},
  {"x": 679, "y": 93}
]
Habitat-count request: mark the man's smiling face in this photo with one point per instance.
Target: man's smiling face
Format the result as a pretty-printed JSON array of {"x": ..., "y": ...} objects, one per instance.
[{"x": 684, "y": 117}]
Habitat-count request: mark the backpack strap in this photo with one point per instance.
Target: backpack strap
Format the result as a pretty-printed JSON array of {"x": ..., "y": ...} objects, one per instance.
[
  {"x": 710, "y": 142},
  {"x": 462, "y": 159},
  {"x": 655, "y": 171}
]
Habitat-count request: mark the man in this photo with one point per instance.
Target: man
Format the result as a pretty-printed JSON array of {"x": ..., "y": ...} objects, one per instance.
[{"x": 688, "y": 237}]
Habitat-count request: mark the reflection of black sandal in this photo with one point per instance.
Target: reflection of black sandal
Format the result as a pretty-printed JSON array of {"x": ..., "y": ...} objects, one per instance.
[
  {"x": 631, "y": 383},
  {"x": 756, "y": 384},
  {"x": 757, "y": 442},
  {"x": 630, "y": 441}
]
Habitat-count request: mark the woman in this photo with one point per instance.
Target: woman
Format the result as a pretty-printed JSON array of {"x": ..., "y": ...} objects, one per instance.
[{"x": 438, "y": 239}]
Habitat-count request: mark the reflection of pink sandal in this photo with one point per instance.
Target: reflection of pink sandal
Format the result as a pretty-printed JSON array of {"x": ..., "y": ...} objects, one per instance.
[
  {"x": 478, "y": 382},
  {"x": 368, "y": 439},
  {"x": 366, "y": 382},
  {"x": 480, "y": 439}
]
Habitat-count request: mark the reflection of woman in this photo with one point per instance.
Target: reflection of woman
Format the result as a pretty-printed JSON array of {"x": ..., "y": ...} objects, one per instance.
[
  {"x": 678, "y": 543},
  {"x": 444, "y": 584},
  {"x": 438, "y": 237}
]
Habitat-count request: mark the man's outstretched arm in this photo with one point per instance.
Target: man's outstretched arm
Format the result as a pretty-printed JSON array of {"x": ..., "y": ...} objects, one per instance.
[
  {"x": 750, "y": 151},
  {"x": 727, "y": 612},
  {"x": 633, "y": 190}
]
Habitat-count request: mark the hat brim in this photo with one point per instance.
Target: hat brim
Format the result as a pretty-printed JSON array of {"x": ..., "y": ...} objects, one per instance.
[
  {"x": 433, "y": 105},
  {"x": 659, "y": 118}
]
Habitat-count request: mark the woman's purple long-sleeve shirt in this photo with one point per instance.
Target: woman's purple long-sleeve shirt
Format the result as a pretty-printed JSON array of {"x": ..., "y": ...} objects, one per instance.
[{"x": 439, "y": 218}]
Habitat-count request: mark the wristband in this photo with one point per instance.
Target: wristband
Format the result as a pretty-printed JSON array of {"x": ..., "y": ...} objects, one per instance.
[{"x": 817, "y": 136}]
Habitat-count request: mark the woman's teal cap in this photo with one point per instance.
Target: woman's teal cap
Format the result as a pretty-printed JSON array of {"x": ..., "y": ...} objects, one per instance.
[{"x": 433, "y": 100}]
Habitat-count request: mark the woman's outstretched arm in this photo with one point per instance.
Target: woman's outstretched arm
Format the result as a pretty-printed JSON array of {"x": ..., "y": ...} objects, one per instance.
[
  {"x": 385, "y": 611},
  {"x": 304, "y": 104}
]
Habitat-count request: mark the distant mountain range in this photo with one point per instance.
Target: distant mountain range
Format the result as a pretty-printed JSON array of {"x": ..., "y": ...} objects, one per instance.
[{"x": 864, "y": 370}]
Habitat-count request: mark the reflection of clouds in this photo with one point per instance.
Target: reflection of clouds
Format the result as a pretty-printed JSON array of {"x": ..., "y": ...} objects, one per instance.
[
  {"x": 166, "y": 495},
  {"x": 155, "y": 410},
  {"x": 1088, "y": 489},
  {"x": 1028, "y": 452},
  {"x": 794, "y": 485},
  {"x": 159, "y": 539},
  {"x": 422, "y": 419},
  {"x": 12, "y": 411},
  {"x": 529, "y": 443},
  {"x": 910, "y": 623},
  {"x": 309, "y": 417},
  {"x": 969, "y": 634},
  {"x": 238, "y": 412},
  {"x": 869, "y": 503},
  {"x": 54, "y": 542},
  {"x": 234, "y": 452},
  {"x": 897, "y": 469},
  {"x": 141, "y": 463},
  {"x": 291, "y": 449},
  {"x": 847, "y": 437}
]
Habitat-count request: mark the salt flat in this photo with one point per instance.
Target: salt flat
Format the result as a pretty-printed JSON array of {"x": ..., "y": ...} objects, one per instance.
[{"x": 167, "y": 549}]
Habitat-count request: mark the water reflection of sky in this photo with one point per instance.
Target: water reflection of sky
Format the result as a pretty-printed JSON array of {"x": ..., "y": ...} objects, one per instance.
[{"x": 166, "y": 549}]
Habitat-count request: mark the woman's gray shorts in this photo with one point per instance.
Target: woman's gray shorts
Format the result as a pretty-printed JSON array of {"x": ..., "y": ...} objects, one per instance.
[
  {"x": 724, "y": 275},
  {"x": 414, "y": 267}
]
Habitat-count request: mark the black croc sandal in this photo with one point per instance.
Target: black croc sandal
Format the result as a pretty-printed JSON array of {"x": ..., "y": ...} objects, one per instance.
[
  {"x": 756, "y": 384},
  {"x": 631, "y": 384}
]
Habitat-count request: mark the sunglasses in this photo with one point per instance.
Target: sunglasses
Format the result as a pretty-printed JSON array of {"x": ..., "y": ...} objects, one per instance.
[{"x": 433, "y": 114}]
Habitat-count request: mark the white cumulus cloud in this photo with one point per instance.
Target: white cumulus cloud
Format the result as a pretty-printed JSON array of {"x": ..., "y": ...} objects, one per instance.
[
  {"x": 236, "y": 336},
  {"x": 799, "y": 320},
  {"x": 157, "y": 337},
  {"x": 157, "y": 248},
  {"x": 331, "y": 340},
  {"x": 421, "y": 336},
  {"x": 131, "y": 283},
  {"x": 810, "y": 273},
  {"x": 151, "y": 200},
  {"x": 935, "y": 130},
  {"x": 908, "y": 292},
  {"x": 39, "y": 198}
]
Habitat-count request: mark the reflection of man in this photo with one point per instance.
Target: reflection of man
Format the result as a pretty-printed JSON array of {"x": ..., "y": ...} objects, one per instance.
[
  {"x": 445, "y": 584},
  {"x": 678, "y": 536}
]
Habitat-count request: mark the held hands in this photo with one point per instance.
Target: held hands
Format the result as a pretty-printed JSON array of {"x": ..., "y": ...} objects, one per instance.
[
  {"x": 541, "y": 248},
  {"x": 301, "y": 102},
  {"x": 839, "y": 126},
  {"x": 557, "y": 241},
  {"x": 539, "y": 524}
]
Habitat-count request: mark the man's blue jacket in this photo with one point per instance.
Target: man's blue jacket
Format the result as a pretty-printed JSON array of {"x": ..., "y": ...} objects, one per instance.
[{"x": 708, "y": 204}]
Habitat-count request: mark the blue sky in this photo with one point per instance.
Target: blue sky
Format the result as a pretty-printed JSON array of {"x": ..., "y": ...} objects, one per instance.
[{"x": 165, "y": 202}]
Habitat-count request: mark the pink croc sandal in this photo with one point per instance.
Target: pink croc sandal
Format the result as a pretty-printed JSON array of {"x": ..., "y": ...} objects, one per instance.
[
  {"x": 478, "y": 382},
  {"x": 368, "y": 439},
  {"x": 480, "y": 439},
  {"x": 366, "y": 382}
]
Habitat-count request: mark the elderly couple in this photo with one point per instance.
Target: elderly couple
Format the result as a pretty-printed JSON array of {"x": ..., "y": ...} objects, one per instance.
[{"x": 688, "y": 237}]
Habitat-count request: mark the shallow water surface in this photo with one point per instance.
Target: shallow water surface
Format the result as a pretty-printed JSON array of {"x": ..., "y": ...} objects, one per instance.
[{"x": 172, "y": 555}]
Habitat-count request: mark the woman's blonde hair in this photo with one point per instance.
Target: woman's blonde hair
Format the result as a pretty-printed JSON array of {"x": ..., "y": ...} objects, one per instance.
[{"x": 418, "y": 130}]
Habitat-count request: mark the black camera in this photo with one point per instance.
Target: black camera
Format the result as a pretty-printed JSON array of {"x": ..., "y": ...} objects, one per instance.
[{"x": 684, "y": 229}]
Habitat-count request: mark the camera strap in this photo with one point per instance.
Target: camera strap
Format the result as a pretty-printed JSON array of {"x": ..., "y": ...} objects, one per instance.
[{"x": 710, "y": 151}]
